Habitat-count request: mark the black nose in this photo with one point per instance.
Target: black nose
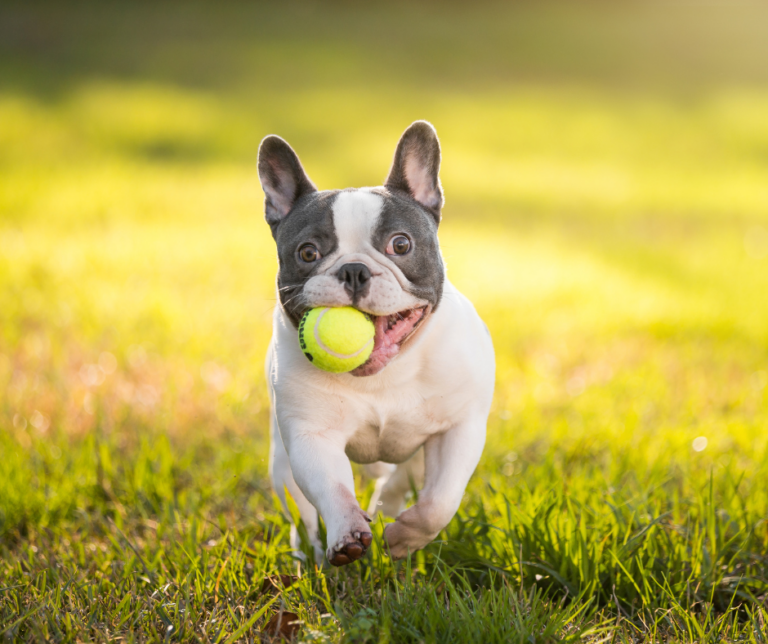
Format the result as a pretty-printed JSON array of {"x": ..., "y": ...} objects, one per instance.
[{"x": 356, "y": 278}]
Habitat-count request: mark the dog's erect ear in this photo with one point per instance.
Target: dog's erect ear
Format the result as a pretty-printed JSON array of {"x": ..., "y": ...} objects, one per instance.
[
  {"x": 282, "y": 178},
  {"x": 416, "y": 166}
]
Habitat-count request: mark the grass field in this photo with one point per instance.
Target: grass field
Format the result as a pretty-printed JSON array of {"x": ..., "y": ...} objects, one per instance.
[{"x": 606, "y": 175}]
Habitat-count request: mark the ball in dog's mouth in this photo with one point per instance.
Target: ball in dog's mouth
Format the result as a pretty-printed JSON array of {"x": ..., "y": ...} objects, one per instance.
[{"x": 391, "y": 332}]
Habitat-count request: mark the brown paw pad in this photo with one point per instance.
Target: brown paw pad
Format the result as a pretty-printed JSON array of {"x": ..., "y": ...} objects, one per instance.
[{"x": 352, "y": 551}]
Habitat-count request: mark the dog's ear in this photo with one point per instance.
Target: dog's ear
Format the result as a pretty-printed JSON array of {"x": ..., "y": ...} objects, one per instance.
[
  {"x": 416, "y": 166},
  {"x": 282, "y": 178}
]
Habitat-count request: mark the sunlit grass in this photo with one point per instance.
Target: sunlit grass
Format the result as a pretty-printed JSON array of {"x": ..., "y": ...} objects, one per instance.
[{"x": 614, "y": 238}]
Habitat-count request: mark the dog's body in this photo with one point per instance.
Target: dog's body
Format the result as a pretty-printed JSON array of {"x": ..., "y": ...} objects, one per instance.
[{"x": 429, "y": 380}]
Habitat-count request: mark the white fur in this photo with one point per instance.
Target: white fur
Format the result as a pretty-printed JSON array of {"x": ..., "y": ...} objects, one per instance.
[
  {"x": 355, "y": 215},
  {"x": 435, "y": 394}
]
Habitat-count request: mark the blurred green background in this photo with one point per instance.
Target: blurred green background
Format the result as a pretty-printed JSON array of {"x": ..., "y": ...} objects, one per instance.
[{"x": 606, "y": 175}]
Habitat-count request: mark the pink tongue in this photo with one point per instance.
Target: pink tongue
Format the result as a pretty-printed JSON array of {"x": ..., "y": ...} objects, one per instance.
[
  {"x": 382, "y": 340},
  {"x": 386, "y": 342},
  {"x": 385, "y": 348}
]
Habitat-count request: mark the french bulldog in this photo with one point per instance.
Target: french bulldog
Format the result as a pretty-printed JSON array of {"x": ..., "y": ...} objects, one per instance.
[{"x": 415, "y": 412}]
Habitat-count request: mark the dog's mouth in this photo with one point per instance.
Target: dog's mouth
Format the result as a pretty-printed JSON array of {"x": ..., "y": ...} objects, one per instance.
[{"x": 392, "y": 331}]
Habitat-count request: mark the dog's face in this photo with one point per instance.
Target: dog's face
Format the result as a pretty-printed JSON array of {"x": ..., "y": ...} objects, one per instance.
[{"x": 372, "y": 248}]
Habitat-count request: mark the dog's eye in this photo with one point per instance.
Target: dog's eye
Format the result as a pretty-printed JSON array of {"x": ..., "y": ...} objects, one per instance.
[
  {"x": 309, "y": 253},
  {"x": 398, "y": 245}
]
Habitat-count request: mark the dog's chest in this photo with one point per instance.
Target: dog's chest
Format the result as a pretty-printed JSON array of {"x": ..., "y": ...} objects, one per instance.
[{"x": 393, "y": 428}]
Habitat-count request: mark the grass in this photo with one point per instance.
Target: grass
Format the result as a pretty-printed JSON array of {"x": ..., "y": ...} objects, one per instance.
[{"x": 605, "y": 169}]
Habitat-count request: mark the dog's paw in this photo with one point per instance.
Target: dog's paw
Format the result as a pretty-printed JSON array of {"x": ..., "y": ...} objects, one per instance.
[
  {"x": 412, "y": 530},
  {"x": 400, "y": 540},
  {"x": 349, "y": 548}
]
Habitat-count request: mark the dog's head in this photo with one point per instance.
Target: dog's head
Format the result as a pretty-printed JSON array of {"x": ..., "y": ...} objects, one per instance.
[{"x": 372, "y": 248}]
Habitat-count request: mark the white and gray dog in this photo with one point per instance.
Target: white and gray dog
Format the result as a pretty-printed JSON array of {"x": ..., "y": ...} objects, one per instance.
[{"x": 429, "y": 380}]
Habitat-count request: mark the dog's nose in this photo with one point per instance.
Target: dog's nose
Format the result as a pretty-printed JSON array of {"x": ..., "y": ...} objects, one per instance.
[{"x": 356, "y": 278}]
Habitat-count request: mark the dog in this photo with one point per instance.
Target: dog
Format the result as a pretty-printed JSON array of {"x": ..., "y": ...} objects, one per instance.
[{"x": 416, "y": 411}]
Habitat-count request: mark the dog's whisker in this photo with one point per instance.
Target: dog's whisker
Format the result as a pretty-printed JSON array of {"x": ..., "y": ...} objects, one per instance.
[
  {"x": 289, "y": 287},
  {"x": 291, "y": 299}
]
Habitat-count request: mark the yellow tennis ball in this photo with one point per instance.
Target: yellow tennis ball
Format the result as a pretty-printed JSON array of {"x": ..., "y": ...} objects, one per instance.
[{"x": 337, "y": 339}]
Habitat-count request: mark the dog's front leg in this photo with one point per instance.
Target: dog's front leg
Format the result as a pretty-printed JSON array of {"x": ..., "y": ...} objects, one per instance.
[
  {"x": 450, "y": 460},
  {"x": 323, "y": 472}
]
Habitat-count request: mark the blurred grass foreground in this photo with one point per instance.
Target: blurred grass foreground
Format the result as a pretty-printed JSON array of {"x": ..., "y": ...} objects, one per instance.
[{"x": 606, "y": 173}]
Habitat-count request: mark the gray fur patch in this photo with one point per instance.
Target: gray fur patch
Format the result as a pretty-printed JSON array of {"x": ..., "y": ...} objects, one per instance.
[
  {"x": 423, "y": 265},
  {"x": 310, "y": 221}
]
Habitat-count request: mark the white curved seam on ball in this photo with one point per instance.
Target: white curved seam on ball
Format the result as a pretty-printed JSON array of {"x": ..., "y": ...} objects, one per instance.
[{"x": 321, "y": 344}]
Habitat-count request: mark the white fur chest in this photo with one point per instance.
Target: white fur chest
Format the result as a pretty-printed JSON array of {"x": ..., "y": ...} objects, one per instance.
[{"x": 394, "y": 426}]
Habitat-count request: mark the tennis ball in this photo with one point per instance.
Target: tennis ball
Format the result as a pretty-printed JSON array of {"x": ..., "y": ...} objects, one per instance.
[{"x": 337, "y": 339}]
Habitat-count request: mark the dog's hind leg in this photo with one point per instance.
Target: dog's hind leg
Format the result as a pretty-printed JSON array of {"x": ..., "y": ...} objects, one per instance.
[
  {"x": 450, "y": 459},
  {"x": 282, "y": 480},
  {"x": 392, "y": 489},
  {"x": 381, "y": 472}
]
